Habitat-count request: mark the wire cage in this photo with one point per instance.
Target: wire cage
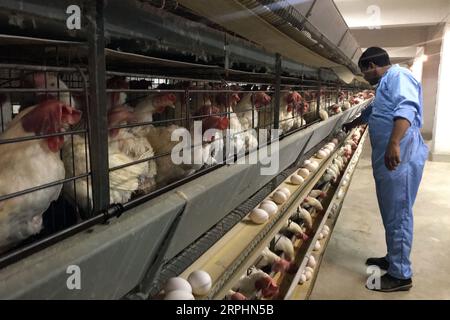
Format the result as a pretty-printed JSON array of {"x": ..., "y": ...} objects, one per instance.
[
  {"x": 161, "y": 131},
  {"x": 38, "y": 114}
]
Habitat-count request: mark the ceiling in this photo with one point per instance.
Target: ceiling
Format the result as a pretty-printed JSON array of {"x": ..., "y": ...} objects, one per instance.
[{"x": 402, "y": 27}]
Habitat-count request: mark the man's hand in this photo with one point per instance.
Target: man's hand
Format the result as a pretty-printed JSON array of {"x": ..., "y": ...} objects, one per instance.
[{"x": 392, "y": 156}]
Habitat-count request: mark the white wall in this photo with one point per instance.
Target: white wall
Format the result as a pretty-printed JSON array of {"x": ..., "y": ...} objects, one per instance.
[
  {"x": 441, "y": 133},
  {"x": 417, "y": 66},
  {"x": 430, "y": 78}
]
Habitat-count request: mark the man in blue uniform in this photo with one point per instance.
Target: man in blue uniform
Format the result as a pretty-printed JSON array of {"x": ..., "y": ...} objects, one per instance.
[{"x": 398, "y": 158}]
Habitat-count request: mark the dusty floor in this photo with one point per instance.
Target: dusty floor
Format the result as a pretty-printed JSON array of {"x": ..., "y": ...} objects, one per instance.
[{"x": 359, "y": 234}]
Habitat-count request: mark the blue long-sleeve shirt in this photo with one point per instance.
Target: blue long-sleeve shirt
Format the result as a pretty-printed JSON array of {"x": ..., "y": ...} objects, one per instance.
[{"x": 398, "y": 95}]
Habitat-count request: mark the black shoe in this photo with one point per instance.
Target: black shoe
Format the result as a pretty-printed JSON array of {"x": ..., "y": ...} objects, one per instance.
[
  {"x": 381, "y": 263},
  {"x": 389, "y": 283}
]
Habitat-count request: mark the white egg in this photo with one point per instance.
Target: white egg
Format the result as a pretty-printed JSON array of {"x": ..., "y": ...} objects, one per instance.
[
  {"x": 179, "y": 295},
  {"x": 317, "y": 246},
  {"x": 325, "y": 227},
  {"x": 177, "y": 283},
  {"x": 200, "y": 281},
  {"x": 308, "y": 275},
  {"x": 321, "y": 236},
  {"x": 259, "y": 216},
  {"x": 312, "y": 166},
  {"x": 279, "y": 197},
  {"x": 309, "y": 269},
  {"x": 302, "y": 279},
  {"x": 325, "y": 233},
  {"x": 322, "y": 154},
  {"x": 307, "y": 162},
  {"x": 270, "y": 208},
  {"x": 303, "y": 172},
  {"x": 285, "y": 191},
  {"x": 312, "y": 262},
  {"x": 332, "y": 144},
  {"x": 269, "y": 202},
  {"x": 296, "y": 179}
]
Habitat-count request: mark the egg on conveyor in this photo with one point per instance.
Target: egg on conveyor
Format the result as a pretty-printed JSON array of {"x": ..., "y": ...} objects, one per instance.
[
  {"x": 312, "y": 166},
  {"x": 285, "y": 191},
  {"x": 179, "y": 295},
  {"x": 296, "y": 179},
  {"x": 327, "y": 228},
  {"x": 259, "y": 216},
  {"x": 332, "y": 143},
  {"x": 306, "y": 162},
  {"x": 302, "y": 279},
  {"x": 200, "y": 282},
  {"x": 321, "y": 236},
  {"x": 308, "y": 275},
  {"x": 270, "y": 207},
  {"x": 312, "y": 262},
  {"x": 177, "y": 283},
  {"x": 309, "y": 269},
  {"x": 303, "y": 172},
  {"x": 269, "y": 202},
  {"x": 325, "y": 233},
  {"x": 317, "y": 246},
  {"x": 279, "y": 197},
  {"x": 322, "y": 154}
]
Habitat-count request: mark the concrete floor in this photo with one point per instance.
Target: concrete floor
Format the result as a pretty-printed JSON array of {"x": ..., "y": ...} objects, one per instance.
[{"x": 359, "y": 234}]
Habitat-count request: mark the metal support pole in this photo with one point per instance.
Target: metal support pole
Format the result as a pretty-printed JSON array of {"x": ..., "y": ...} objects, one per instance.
[
  {"x": 276, "y": 111},
  {"x": 97, "y": 114},
  {"x": 319, "y": 93}
]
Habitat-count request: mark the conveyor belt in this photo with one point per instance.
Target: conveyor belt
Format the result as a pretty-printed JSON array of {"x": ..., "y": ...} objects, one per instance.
[
  {"x": 302, "y": 292},
  {"x": 234, "y": 253}
]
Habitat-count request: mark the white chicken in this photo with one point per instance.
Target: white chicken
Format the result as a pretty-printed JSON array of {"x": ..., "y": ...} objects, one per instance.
[
  {"x": 281, "y": 243},
  {"x": 122, "y": 183},
  {"x": 233, "y": 295},
  {"x": 247, "y": 113},
  {"x": 124, "y": 147},
  {"x": 317, "y": 193},
  {"x": 210, "y": 152},
  {"x": 134, "y": 144},
  {"x": 294, "y": 228},
  {"x": 313, "y": 202},
  {"x": 38, "y": 163},
  {"x": 154, "y": 103},
  {"x": 254, "y": 281},
  {"x": 277, "y": 264},
  {"x": 236, "y": 136},
  {"x": 303, "y": 215}
]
